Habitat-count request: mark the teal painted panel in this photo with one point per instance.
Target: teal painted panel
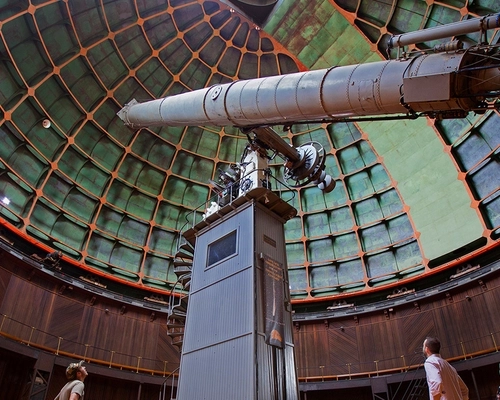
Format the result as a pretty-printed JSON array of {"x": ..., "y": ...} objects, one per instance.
[
  {"x": 316, "y": 225},
  {"x": 399, "y": 228},
  {"x": 343, "y": 134},
  {"x": 92, "y": 178},
  {"x": 298, "y": 279},
  {"x": 133, "y": 231},
  {"x": 368, "y": 211},
  {"x": 351, "y": 271},
  {"x": 82, "y": 84},
  {"x": 133, "y": 46},
  {"x": 119, "y": 194},
  {"x": 141, "y": 205},
  {"x": 323, "y": 276},
  {"x": 154, "y": 77},
  {"x": 390, "y": 203},
  {"x": 380, "y": 264},
  {"x": 293, "y": 229},
  {"x": 159, "y": 268},
  {"x": 66, "y": 231},
  {"x": 107, "y": 63},
  {"x": 127, "y": 258},
  {"x": 120, "y": 14},
  {"x": 80, "y": 205},
  {"x": 408, "y": 255},
  {"x": 60, "y": 108},
  {"x": 201, "y": 141},
  {"x": 100, "y": 246},
  {"x": 105, "y": 117},
  {"x": 109, "y": 220},
  {"x": 375, "y": 237},
  {"x": 10, "y": 140},
  {"x": 196, "y": 74},
  {"x": 160, "y": 29},
  {"x": 320, "y": 250},
  {"x": 295, "y": 253},
  {"x": 341, "y": 219},
  {"x": 27, "y": 164},
  {"x": 162, "y": 241},
  {"x": 346, "y": 245}
]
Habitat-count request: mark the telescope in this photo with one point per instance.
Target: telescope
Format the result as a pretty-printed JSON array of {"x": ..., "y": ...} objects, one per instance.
[{"x": 448, "y": 81}]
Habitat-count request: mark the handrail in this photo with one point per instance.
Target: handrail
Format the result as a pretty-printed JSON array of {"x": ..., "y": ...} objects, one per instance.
[
  {"x": 389, "y": 371},
  {"x": 404, "y": 368},
  {"x": 149, "y": 371},
  {"x": 58, "y": 351},
  {"x": 172, "y": 375},
  {"x": 88, "y": 360}
]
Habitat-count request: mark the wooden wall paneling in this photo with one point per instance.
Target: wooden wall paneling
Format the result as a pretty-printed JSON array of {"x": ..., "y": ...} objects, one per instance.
[
  {"x": 164, "y": 349},
  {"x": 26, "y": 303},
  {"x": 450, "y": 326},
  {"x": 489, "y": 310},
  {"x": 86, "y": 328},
  {"x": 147, "y": 331},
  {"x": 342, "y": 346},
  {"x": 467, "y": 315},
  {"x": 390, "y": 337},
  {"x": 318, "y": 353},
  {"x": 132, "y": 337},
  {"x": 300, "y": 344},
  {"x": 414, "y": 326},
  {"x": 4, "y": 279},
  {"x": 368, "y": 348},
  {"x": 114, "y": 334},
  {"x": 96, "y": 324},
  {"x": 474, "y": 335},
  {"x": 64, "y": 320},
  {"x": 310, "y": 349}
]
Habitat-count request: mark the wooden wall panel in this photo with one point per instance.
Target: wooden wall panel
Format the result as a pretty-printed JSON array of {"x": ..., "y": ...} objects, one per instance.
[
  {"x": 4, "y": 282},
  {"x": 415, "y": 327},
  {"x": 42, "y": 311},
  {"x": 464, "y": 318},
  {"x": 342, "y": 349}
]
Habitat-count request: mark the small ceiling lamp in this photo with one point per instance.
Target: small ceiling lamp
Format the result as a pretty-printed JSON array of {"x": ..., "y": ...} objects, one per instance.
[{"x": 46, "y": 123}]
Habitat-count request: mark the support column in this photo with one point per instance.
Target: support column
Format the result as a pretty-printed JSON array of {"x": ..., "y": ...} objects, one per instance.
[{"x": 238, "y": 340}]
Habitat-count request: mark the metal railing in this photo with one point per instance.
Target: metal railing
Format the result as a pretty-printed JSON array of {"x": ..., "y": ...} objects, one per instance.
[
  {"x": 37, "y": 338},
  {"x": 463, "y": 350},
  {"x": 34, "y": 337}
]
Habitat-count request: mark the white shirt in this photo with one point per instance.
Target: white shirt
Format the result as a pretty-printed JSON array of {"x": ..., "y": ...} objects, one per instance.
[{"x": 443, "y": 380}]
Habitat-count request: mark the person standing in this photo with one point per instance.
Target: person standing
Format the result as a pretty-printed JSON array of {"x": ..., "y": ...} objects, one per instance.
[
  {"x": 443, "y": 380},
  {"x": 74, "y": 389}
]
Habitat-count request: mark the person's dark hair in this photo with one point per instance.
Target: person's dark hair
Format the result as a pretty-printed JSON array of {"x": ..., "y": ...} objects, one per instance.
[{"x": 433, "y": 344}]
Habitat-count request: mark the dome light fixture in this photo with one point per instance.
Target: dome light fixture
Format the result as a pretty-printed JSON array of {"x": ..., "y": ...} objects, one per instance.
[{"x": 46, "y": 123}]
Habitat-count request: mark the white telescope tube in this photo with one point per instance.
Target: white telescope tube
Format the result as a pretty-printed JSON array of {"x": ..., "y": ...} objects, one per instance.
[{"x": 426, "y": 83}]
